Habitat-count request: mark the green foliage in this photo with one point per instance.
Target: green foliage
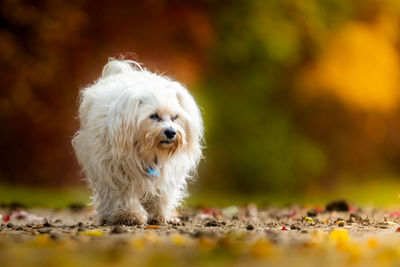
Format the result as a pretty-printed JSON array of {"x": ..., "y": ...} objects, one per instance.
[
  {"x": 43, "y": 197},
  {"x": 255, "y": 142}
]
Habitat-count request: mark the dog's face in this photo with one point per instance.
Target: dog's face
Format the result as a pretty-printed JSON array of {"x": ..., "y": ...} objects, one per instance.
[
  {"x": 162, "y": 125},
  {"x": 153, "y": 125}
]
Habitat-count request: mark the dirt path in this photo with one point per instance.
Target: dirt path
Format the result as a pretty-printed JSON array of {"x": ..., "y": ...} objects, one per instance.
[{"x": 292, "y": 236}]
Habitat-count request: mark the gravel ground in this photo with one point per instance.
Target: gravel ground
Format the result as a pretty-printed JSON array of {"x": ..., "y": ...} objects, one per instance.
[{"x": 335, "y": 235}]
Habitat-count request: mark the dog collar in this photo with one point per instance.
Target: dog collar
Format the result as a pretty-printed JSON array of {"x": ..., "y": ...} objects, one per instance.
[{"x": 153, "y": 173}]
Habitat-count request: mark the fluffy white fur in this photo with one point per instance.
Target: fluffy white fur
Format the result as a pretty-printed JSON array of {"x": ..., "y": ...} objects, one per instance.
[{"x": 119, "y": 139}]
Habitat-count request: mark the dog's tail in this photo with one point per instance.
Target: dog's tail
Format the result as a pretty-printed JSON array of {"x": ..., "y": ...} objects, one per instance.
[{"x": 114, "y": 67}]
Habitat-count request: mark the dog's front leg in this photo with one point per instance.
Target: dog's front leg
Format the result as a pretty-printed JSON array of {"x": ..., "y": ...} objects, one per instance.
[
  {"x": 160, "y": 208},
  {"x": 116, "y": 208},
  {"x": 130, "y": 214}
]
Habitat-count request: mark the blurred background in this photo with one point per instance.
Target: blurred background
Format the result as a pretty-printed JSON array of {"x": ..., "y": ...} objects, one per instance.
[{"x": 300, "y": 98}]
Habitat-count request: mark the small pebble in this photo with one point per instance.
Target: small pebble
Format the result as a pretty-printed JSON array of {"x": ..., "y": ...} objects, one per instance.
[
  {"x": 76, "y": 207},
  {"x": 54, "y": 237},
  {"x": 250, "y": 227},
  {"x": 118, "y": 230},
  {"x": 47, "y": 224},
  {"x": 340, "y": 224},
  {"x": 198, "y": 234},
  {"x": 354, "y": 218},
  {"x": 44, "y": 230},
  {"x": 184, "y": 218},
  {"x": 212, "y": 224},
  {"x": 312, "y": 213},
  {"x": 338, "y": 205}
]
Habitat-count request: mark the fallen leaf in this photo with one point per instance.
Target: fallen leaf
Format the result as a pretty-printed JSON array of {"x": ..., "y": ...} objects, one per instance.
[
  {"x": 139, "y": 243},
  {"x": 210, "y": 211},
  {"x": 93, "y": 233},
  {"x": 6, "y": 217},
  {"x": 252, "y": 210},
  {"x": 261, "y": 248},
  {"x": 43, "y": 240},
  {"x": 152, "y": 238},
  {"x": 395, "y": 214},
  {"x": 372, "y": 242},
  {"x": 339, "y": 236},
  {"x": 230, "y": 211},
  {"x": 19, "y": 214},
  {"x": 178, "y": 240},
  {"x": 206, "y": 244},
  {"x": 308, "y": 219}
]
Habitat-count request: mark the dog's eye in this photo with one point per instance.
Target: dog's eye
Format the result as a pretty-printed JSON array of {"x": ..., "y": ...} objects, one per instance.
[
  {"x": 155, "y": 116},
  {"x": 175, "y": 117}
]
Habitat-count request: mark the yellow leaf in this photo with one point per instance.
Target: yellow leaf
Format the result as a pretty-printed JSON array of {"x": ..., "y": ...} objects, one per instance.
[
  {"x": 93, "y": 233},
  {"x": 152, "y": 226},
  {"x": 139, "y": 243},
  {"x": 178, "y": 240},
  {"x": 339, "y": 236},
  {"x": 261, "y": 248},
  {"x": 372, "y": 242},
  {"x": 207, "y": 244},
  {"x": 152, "y": 238},
  {"x": 43, "y": 240},
  {"x": 308, "y": 219}
]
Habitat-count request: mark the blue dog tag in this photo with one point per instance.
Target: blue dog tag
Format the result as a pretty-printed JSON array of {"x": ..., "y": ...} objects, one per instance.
[{"x": 153, "y": 173}]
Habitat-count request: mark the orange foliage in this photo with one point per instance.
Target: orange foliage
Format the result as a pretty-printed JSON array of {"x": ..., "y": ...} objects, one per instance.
[
  {"x": 49, "y": 49},
  {"x": 359, "y": 65}
]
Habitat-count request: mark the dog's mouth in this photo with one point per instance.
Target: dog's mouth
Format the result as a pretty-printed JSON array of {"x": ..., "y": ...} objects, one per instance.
[{"x": 167, "y": 142}]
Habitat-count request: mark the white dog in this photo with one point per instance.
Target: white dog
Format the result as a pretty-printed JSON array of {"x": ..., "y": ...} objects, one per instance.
[{"x": 139, "y": 141}]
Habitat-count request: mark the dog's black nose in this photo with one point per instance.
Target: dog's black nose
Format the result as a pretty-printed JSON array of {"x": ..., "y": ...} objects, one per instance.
[{"x": 170, "y": 133}]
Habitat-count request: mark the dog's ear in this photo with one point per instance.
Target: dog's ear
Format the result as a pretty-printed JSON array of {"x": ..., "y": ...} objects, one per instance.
[
  {"x": 114, "y": 67},
  {"x": 122, "y": 122},
  {"x": 188, "y": 104},
  {"x": 194, "y": 123}
]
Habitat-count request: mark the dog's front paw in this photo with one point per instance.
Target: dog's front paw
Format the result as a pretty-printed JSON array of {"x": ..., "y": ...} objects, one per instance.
[
  {"x": 163, "y": 220},
  {"x": 157, "y": 220},
  {"x": 127, "y": 218},
  {"x": 174, "y": 220}
]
